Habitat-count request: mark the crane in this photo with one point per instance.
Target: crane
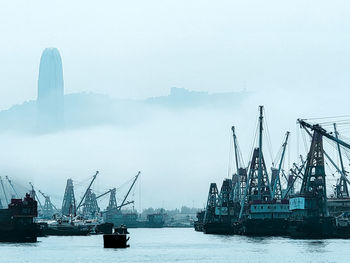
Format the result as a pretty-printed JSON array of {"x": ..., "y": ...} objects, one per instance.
[
  {"x": 258, "y": 185},
  {"x": 87, "y": 190},
  {"x": 277, "y": 180},
  {"x": 3, "y": 189},
  {"x": 127, "y": 194},
  {"x": 34, "y": 195},
  {"x": 105, "y": 193},
  {"x": 322, "y": 131},
  {"x": 342, "y": 187},
  {"x": 239, "y": 180},
  {"x": 10, "y": 182},
  {"x": 48, "y": 200},
  {"x": 295, "y": 173}
]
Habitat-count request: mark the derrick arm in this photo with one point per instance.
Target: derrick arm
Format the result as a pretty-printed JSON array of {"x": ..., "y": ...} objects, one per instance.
[
  {"x": 277, "y": 180},
  {"x": 132, "y": 185},
  {"x": 92, "y": 181}
]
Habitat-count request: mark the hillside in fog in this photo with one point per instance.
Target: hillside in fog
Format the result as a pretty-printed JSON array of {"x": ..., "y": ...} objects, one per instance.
[{"x": 91, "y": 109}]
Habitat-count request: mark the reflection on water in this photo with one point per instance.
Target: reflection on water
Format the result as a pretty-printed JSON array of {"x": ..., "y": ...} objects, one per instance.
[
  {"x": 15, "y": 244},
  {"x": 316, "y": 246},
  {"x": 177, "y": 245}
]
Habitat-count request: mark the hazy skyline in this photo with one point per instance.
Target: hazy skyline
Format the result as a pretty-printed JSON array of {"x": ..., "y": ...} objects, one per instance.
[
  {"x": 293, "y": 58},
  {"x": 140, "y": 49}
]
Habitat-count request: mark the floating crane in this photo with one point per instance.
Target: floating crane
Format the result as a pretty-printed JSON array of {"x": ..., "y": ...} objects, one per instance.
[
  {"x": 114, "y": 209},
  {"x": 258, "y": 185},
  {"x": 309, "y": 208},
  {"x": 90, "y": 206},
  {"x": 211, "y": 203},
  {"x": 314, "y": 177},
  {"x": 49, "y": 207}
]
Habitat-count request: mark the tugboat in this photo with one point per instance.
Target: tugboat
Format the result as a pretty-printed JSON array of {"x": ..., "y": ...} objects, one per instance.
[
  {"x": 118, "y": 239},
  {"x": 66, "y": 227}
]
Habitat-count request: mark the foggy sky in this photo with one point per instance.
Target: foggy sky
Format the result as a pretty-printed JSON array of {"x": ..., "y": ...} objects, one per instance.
[
  {"x": 293, "y": 57},
  {"x": 141, "y": 48}
]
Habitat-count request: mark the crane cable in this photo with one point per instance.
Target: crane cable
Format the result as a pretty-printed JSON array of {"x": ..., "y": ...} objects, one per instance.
[{"x": 268, "y": 137}]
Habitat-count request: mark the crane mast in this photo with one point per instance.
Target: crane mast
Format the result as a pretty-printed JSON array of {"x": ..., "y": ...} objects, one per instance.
[
  {"x": 258, "y": 186},
  {"x": 260, "y": 175}
]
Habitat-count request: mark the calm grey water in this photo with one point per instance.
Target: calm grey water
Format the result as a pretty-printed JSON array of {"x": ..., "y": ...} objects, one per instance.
[{"x": 177, "y": 245}]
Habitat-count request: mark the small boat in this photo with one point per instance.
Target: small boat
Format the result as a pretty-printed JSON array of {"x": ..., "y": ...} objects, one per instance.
[
  {"x": 66, "y": 227},
  {"x": 118, "y": 239},
  {"x": 97, "y": 226}
]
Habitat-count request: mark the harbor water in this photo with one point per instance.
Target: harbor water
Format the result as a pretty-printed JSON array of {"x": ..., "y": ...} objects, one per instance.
[{"x": 177, "y": 245}]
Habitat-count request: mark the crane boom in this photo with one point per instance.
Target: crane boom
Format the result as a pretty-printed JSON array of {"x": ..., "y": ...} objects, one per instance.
[
  {"x": 323, "y": 132},
  {"x": 235, "y": 147},
  {"x": 119, "y": 206},
  {"x": 10, "y": 182},
  {"x": 92, "y": 181},
  {"x": 277, "y": 179},
  {"x": 132, "y": 185},
  {"x": 297, "y": 175},
  {"x": 3, "y": 189},
  {"x": 110, "y": 190}
]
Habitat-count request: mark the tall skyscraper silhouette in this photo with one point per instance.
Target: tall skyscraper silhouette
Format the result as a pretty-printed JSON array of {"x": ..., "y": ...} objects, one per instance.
[{"x": 50, "y": 101}]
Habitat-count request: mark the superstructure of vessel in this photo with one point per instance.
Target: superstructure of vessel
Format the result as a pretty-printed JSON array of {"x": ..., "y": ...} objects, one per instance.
[{"x": 17, "y": 221}]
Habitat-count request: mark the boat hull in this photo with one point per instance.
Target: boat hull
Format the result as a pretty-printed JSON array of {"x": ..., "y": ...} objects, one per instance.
[
  {"x": 115, "y": 241},
  {"x": 312, "y": 228},
  {"x": 265, "y": 227},
  {"x": 66, "y": 231},
  {"x": 218, "y": 228}
]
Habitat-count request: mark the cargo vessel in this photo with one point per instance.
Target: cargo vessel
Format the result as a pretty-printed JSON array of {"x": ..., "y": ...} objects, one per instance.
[{"x": 17, "y": 221}]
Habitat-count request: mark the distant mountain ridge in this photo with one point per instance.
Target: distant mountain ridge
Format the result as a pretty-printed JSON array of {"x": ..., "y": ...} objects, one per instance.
[
  {"x": 91, "y": 109},
  {"x": 180, "y": 97}
]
